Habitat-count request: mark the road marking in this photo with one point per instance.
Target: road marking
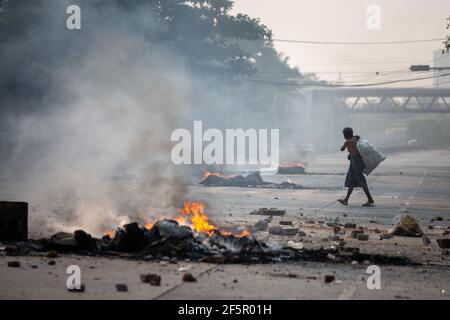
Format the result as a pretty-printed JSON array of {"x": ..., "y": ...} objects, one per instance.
[
  {"x": 419, "y": 186},
  {"x": 181, "y": 283}
]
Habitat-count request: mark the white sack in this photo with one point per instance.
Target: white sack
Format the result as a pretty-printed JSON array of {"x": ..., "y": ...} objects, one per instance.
[{"x": 371, "y": 156}]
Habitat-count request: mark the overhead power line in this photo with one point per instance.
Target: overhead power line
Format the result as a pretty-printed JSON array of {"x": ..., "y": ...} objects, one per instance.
[
  {"x": 422, "y": 61},
  {"x": 298, "y": 83},
  {"x": 353, "y": 43}
]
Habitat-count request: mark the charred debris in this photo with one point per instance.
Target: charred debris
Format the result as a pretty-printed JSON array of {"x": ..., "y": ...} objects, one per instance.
[{"x": 168, "y": 240}]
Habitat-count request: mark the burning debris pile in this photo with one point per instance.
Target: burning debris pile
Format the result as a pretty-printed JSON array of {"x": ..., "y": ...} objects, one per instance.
[
  {"x": 253, "y": 180},
  {"x": 167, "y": 239},
  {"x": 189, "y": 236}
]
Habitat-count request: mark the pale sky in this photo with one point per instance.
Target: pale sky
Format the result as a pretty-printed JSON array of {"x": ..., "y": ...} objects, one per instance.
[{"x": 346, "y": 21}]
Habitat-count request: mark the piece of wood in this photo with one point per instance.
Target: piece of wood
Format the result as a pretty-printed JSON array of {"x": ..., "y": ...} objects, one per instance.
[{"x": 13, "y": 221}]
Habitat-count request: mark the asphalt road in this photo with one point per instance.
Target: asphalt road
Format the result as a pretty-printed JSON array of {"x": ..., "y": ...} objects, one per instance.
[{"x": 417, "y": 183}]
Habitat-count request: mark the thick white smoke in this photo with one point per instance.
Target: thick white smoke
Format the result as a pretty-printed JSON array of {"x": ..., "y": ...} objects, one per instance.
[{"x": 103, "y": 154}]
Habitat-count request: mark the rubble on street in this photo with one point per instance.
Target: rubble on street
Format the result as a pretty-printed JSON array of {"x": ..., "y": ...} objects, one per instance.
[
  {"x": 252, "y": 180},
  {"x": 407, "y": 227}
]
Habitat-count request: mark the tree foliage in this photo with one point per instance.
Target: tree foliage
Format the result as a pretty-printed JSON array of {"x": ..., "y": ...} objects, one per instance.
[{"x": 213, "y": 41}]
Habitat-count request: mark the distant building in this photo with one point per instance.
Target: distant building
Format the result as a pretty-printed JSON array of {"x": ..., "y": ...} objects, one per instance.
[{"x": 441, "y": 59}]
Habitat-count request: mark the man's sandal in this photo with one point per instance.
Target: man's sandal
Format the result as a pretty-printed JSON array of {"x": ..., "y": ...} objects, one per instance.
[{"x": 343, "y": 202}]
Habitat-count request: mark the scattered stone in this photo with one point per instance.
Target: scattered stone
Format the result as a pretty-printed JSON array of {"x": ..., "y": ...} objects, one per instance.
[
  {"x": 34, "y": 266},
  {"x": 328, "y": 278},
  {"x": 285, "y": 223},
  {"x": 51, "y": 263},
  {"x": 407, "y": 227},
  {"x": 284, "y": 275},
  {"x": 332, "y": 224},
  {"x": 334, "y": 237},
  {"x": 295, "y": 245},
  {"x": 269, "y": 212},
  {"x": 80, "y": 289},
  {"x": 261, "y": 225},
  {"x": 301, "y": 233},
  {"x": 385, "y": 236},
  {"x": 14, "y": 264},
  {"x": 173, "y": 260},
  {"x": 437, "y": 219},
  {"x": 331, "y": 257},
  {"x": 279, "y": 231},
  {"x": 350, "y": 250},
  {"x": 218, "y": 259},
  {"x": 363, "y": 237},
  {"x": 121, "y": 287},
  {"x": 148, "y": 257},
  {"x": 187, "y": 277},
  {"x": 153, "y": 279},
  {"x": 373, "y": 221},
  {"x": 377, "y": 230},
  {"x": 354, "y": 234},
  {"x": 345, "y": 215},
  {"x": 185, "y": 268},
  {"x": 443, "y": 243},
  {"x": 337, "y": 229},
  {"x": 52, "y": 254},
  {"x": 350, "y": 226}
]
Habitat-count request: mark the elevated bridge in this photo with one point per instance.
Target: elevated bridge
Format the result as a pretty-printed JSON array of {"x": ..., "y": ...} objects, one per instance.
[{"x": 381, "y": 100}]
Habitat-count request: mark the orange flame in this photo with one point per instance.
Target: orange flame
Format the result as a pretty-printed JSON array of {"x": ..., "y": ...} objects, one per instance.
[
  {"x": 193, "y": 215},
  {"x": 206, "y": 174},
  {"x": 199, "y": 221},
  {"x": 243, "y": 234},
  {"x": 149, "y": 225},
  {"x": 181, "y": 220},
  {"x": 109, "y": 234}
]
